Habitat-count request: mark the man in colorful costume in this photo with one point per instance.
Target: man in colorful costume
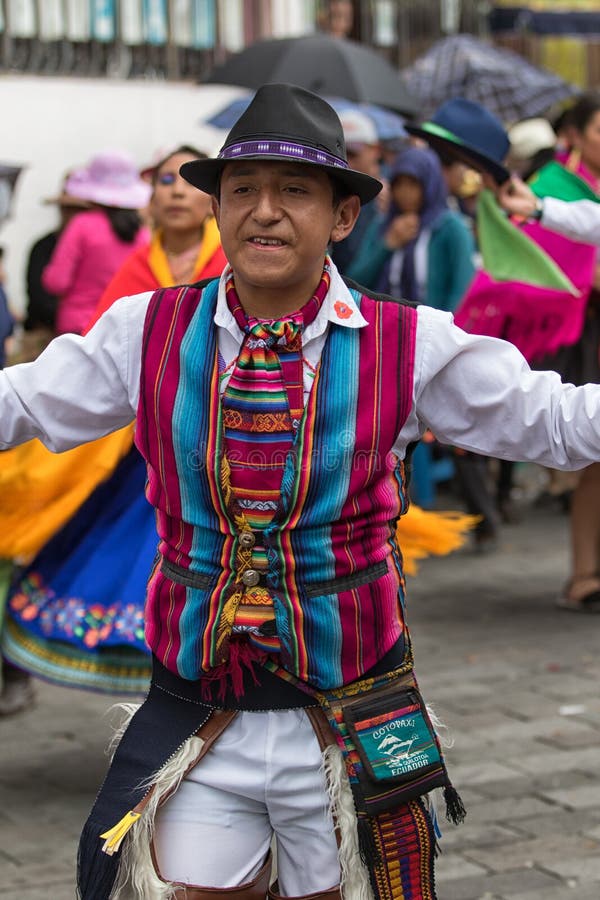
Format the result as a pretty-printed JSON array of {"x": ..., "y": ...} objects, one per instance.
[{"x": 275, "y": 407}]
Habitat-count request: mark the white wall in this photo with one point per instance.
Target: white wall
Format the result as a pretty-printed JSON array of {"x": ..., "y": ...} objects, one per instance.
[{"x": 53, "y": 124}]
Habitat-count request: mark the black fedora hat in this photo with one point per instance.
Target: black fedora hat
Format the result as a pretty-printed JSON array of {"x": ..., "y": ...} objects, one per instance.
[
  {"x": 285, "y": 122},
  {"x": 469, "y": 132}
]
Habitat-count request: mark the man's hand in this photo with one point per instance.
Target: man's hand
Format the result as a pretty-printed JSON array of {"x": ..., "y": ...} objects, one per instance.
[
  {"x": 402, "y": 230},
  {"x": 517, "y": 199}
]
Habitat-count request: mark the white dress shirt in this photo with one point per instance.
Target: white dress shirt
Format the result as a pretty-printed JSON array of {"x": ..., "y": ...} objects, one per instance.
[
  {"x": 474, "y": 392},
  {"x": 578, "y": 219}
]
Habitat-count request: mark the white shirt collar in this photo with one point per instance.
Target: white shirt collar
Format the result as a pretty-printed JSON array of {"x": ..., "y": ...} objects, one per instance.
[{"x": 338, "y": 307}]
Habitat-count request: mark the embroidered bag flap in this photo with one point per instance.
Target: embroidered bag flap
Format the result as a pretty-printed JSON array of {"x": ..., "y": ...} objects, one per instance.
[{"x": 394, "y": 738}]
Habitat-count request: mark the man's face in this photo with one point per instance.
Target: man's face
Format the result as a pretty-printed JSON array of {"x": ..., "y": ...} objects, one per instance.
[
  {"x": 365, "y": 158},
  {"x": 276, "y": 220}
]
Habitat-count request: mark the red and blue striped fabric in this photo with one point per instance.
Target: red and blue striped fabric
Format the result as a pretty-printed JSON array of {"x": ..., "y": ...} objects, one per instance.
[{"x": 342, "y": 490}]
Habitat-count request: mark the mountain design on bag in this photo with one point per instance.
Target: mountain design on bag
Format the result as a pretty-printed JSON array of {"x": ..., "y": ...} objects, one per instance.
[{"x": 396, "y": 749}]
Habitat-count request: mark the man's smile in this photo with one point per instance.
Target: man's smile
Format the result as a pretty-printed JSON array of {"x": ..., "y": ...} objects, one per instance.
[{"x": 259, "y": 241}]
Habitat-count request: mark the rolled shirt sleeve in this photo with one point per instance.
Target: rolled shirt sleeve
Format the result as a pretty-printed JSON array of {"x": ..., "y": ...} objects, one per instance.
[
  {"x": 480, "y": 394},
  {"x": 79, "y": 388}
]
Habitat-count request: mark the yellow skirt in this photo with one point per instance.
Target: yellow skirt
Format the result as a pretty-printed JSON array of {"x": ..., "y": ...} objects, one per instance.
[{"x": 40, "y": 490}]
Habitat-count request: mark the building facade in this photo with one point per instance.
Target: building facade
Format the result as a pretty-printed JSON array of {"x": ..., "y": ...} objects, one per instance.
[{"x": 183, "y": 39}]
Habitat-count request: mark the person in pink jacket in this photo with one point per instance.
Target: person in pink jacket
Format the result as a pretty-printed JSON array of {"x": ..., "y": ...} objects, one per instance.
[{"x": 96, "y": 243}]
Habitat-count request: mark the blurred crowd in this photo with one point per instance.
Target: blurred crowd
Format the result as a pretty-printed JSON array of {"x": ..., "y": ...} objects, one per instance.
[
  {"x": 120, "y": 231},
  {"x": 420, "y": 240},
  {"x": 124, "y": 227}
]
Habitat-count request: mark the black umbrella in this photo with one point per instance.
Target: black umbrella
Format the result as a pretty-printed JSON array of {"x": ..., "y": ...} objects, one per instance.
[
  {"x": 328, "y": 66},
  {"x": 462, "y": 66}
]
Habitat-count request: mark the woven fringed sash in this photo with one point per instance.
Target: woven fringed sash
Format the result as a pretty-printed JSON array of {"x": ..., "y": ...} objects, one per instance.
[
  {"x": 395, "y": 832},
  {"x": 404, "y": 842},
  {"x": 396, "y": 835}
]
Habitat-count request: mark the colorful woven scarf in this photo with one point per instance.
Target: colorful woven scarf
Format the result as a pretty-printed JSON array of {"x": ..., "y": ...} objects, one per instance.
[{"x": 263, "y": 404}]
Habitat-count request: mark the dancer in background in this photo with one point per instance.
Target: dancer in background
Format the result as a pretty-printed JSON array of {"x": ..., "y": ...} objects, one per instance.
[
  {"x": 185, "y": 244},
  {"x": 575, "y": 176},
  {"x": 15, "y": 689},
  {"x": 41, "y": 490},
  {"x": 39, "y": 325},
  {"x": 538, "y": 288},
  {"x": 75, "y": 616},
  {"x": 95, "y": 243}
]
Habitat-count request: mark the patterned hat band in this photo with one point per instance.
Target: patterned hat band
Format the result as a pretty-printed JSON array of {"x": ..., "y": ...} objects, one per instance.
[
  {"x": 281, "y": 149},
  {"x": 285, "y": 122}
]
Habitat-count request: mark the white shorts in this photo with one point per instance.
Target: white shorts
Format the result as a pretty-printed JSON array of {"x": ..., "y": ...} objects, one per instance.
[{"x": 262, "y": 778}]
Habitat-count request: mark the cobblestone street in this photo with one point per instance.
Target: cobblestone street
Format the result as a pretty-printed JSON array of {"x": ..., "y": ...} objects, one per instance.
[{"x": 515, "y": 679}]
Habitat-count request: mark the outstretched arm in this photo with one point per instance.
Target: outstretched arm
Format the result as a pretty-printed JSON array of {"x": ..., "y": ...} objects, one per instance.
[
  {"x": 479, "y": 393},
  {"x": 80, "y": 388}
]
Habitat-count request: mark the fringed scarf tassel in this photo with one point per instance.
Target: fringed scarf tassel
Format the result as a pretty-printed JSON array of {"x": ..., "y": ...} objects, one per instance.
[
  {"x": 455, "y": 808},
  {"x": 243, "y": 656},
  {"x": 96, "y": 871},
  {"x": 369, "y": 851}
]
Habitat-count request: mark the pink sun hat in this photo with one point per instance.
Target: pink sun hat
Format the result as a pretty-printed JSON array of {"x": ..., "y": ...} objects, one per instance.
[{"x": 110, "y": 179}]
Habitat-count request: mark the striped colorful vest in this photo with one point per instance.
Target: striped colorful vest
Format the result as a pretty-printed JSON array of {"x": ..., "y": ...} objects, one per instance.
[{"x": 335, "y": 570}]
